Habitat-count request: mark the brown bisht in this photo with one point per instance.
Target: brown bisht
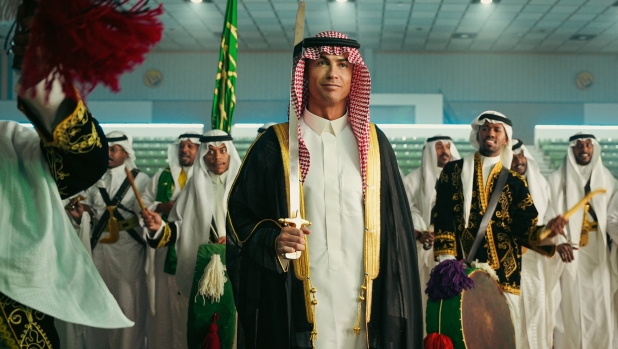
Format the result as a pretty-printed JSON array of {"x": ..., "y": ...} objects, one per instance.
[{"x": 270, "y": 301}]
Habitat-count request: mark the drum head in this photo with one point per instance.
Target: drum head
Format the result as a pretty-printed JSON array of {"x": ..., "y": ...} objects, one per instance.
[{"x": 486, "y": 317}]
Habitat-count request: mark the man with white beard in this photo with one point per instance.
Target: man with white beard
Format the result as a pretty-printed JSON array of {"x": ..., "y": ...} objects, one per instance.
[
  {"x": 538, "y": 275},
  {"x": 166, "y": 328},
  {"x": 585, "y": 318},
  {"x": 420, "y": 187}
]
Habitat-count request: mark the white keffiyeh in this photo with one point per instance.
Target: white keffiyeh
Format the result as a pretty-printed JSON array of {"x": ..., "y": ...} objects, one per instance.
[
  {"x": 506, "y": 154},
  {"x": 194, "y": 210}
]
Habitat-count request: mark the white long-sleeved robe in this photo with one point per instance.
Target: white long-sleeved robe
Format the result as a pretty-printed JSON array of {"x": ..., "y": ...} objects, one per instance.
[
  {"x": 413, "y": 184},
  {"x": 539, "y": 282},
  {"x": 584, "y": 318},
  {"x": 334, "y": 204},
  {"x": 73, "y": 336},
  {"x": 167, "y": 329},
  {"x": 122, "y": 267},
  {"x": 44, "y": 266}
]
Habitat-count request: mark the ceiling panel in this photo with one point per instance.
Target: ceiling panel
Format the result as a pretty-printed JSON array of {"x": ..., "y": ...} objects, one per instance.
[
  {"x": 459, "y": 8},
  {"x": 511, "y": 25},
  {"x": 400, "y": 7},
  {"x": 563, "y": 9},
  {"x": 423, "y": 7},
  {"x": 571, "y": 2}
]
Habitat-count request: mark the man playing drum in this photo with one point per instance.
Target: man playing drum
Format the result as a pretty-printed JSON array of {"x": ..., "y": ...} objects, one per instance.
[{"x": 463, "y": 192}]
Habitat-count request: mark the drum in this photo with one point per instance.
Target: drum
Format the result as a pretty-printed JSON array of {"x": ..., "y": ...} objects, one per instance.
[{"x": 478, "y": 318}]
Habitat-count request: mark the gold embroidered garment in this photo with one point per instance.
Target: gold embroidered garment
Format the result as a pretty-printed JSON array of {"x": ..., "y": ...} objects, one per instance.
[
  {"x": 513, "y": 225},
  {"x": 22, "y": 327}
]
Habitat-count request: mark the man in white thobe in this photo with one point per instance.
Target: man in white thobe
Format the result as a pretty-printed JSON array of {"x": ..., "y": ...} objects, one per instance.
[
  {"x": 120, "y": 256},
  {"x": 198, "y": 216},
  {"x": 166, "y": 327},
  {"x": 585, "y": 316},
  {"x": 341, "y": 156},
  {"x": 538, "y": 272},
  {"x": 420, "y": 187}
]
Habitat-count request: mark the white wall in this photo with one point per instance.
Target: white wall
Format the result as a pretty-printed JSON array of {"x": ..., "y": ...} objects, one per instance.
[{"x": 531, "y": 89}]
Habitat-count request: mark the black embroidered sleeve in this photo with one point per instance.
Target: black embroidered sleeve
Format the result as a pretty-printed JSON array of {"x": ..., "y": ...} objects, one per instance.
[
  {"x": 525, "y": 217},
  {"x": 170, "y": 232},
  {"x": 445, "y": 242},
  {"x": 76, "y": 150}
]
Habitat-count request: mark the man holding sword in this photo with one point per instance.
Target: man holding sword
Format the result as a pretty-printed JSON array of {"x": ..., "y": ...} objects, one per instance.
[{"x": 354, "y": 283}]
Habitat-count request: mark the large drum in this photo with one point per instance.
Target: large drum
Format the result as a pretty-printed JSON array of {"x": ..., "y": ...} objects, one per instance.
[{"x": 478, "y": 318}]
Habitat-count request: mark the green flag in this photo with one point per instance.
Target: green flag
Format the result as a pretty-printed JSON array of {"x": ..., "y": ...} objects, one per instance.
[{"x": 224, "y": 99}]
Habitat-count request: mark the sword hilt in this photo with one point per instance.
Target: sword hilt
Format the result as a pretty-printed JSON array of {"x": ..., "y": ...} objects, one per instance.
[{"x": 295, "y": 222}]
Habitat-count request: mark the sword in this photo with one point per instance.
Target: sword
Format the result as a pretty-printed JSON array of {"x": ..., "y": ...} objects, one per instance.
[
  {"x": 572, "y": 211},
  {"x": 295, "y": 219}
]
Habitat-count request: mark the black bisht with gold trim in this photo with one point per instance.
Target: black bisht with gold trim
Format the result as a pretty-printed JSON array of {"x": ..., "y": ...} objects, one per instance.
[{"x": 270, "y": 302}]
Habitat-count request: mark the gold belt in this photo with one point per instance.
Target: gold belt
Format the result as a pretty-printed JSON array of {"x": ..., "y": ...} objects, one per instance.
[{"x": 125, "y": 224}]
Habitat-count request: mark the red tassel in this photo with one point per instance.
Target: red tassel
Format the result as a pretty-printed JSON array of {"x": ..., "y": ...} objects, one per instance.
[
  {"x": 88, "y": 42},
  {"x": 212, "y": 338},
  {"x": 437, "y": 341}
]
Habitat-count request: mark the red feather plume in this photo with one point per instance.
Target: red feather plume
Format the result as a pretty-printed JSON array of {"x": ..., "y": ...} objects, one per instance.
[{"x": 85, "y": 43}]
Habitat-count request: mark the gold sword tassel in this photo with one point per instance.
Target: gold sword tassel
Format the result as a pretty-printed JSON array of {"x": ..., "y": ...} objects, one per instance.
[{"x": 112, "y": 226}]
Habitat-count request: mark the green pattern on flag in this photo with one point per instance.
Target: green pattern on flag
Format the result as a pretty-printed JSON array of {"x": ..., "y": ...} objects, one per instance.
[{"x": 224, "y": 99}]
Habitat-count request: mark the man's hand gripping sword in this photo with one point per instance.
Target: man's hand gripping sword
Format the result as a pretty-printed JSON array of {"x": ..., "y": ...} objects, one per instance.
[{"x": 296, "y": 222}]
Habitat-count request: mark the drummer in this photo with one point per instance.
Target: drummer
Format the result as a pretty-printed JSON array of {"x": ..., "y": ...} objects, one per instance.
[{"x": 462, "y": 199}]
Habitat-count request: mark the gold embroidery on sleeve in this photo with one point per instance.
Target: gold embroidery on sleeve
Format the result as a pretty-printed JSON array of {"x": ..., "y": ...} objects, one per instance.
[
  {"x": 527, "y": 202},
  {"x": 68, "y": 135},
  {"x": 508, "y": 261},
  {"x": 448, "y": 241},
  {"x": 167, "y": 235},
  {"x": 510, "y": 288},
  {"x": 492, "y": 256},
  {"x": 56, "y": 166},
  {"x": 506, "y": 198}
]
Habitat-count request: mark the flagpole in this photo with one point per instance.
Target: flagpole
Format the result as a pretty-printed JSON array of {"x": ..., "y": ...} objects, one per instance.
[{"x": 224, "y": 100}]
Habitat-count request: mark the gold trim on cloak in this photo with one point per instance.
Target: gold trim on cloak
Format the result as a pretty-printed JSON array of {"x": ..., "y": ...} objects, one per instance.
[
  {"x": 302, "y": 268},
  {"x": 372, "y": 229}
]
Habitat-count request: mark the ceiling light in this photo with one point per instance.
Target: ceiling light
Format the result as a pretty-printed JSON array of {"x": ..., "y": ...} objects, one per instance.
[
  {"x": 463, "y": 35},
  {"x": 342, "y": 0},
  {"x": 582, "y": 37},
  {"x": 486, "y": 1},
  {"x": 196, "y": 1}
]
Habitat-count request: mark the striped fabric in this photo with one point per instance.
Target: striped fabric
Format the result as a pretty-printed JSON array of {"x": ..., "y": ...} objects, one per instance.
[{"x": 358, "y": 101}]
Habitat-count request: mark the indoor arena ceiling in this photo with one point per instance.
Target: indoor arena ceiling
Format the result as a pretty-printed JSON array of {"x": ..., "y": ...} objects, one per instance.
[{"x": 582, "y": 26}]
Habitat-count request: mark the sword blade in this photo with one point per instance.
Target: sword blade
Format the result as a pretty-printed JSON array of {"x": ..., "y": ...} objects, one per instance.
[{"x": 294, "y": 180}]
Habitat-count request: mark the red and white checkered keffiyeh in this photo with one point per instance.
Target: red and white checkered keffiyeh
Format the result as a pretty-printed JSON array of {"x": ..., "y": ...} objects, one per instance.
[{"x": 358, "y": 100}]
